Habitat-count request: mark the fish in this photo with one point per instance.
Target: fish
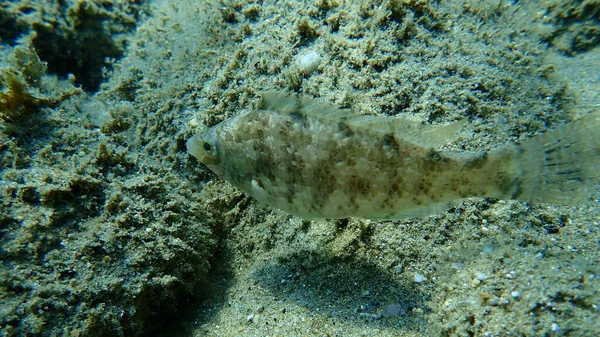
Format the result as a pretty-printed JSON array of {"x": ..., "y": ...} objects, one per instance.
[{"x": 318, "y": 161}]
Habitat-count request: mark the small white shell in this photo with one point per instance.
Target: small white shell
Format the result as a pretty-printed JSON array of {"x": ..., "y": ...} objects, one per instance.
[{"x": 309, "y": 62}]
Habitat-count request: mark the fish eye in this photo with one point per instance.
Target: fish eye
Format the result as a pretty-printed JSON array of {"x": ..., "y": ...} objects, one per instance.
[{"x": 209, "y": 147}]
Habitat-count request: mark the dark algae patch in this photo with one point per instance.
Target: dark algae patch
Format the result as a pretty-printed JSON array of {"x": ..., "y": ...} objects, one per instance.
[
  {"x": 95, "y": 240},
  {"x": 74, "y": 38}
]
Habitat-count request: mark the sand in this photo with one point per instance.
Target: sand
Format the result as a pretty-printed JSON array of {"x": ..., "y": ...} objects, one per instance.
[{"x": 109, "y": 228}]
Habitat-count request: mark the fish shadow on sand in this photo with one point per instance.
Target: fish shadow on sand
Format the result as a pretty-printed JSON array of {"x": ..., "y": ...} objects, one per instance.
[{"x": 353, "y": 291}]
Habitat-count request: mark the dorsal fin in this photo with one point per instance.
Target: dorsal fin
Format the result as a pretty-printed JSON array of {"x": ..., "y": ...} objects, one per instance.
[
  {"x": 424, "y": 135},
  {"x": 290, "y": 104},
  {"x": 413, "y": 131}
]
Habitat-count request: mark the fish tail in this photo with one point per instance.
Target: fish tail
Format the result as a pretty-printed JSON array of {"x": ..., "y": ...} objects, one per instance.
[{"x": 560, "y": 166}]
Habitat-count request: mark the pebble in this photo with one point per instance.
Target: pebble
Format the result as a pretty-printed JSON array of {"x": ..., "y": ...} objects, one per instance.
[
  {"x": 481, "y": 276},
  {"x": 309, "y": 62}
]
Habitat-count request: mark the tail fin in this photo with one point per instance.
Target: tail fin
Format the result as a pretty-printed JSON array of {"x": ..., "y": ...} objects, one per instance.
[{"x": 561, "y": 166}]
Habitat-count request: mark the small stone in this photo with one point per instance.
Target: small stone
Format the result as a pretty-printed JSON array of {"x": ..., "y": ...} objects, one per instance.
[
  {"x": 481, "y": 276},
  {"x": 458, "y": 265},
  {"x": 309, "y": 62},
  {"x": 494, "y": 301}
]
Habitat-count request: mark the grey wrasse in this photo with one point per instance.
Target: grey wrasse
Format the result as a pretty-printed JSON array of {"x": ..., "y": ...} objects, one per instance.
[{"x": 317, "y": 161}]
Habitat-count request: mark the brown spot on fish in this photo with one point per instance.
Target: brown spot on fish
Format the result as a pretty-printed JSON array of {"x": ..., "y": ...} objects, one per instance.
[
  {"x": 345, "y": 130},
  {"x": 477, "y": 162},
  {"x": 264, "y": 167},
  {"x": 434, "y": 161},
  {"x": 390, "y": 143},
  {"x": 517, "y": 189},
  {"x": 300, "y": 119},
  {"x": 359, "y": 185}
]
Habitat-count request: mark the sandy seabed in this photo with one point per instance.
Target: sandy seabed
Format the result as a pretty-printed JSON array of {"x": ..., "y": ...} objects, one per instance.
[{"x": 109, "y": 228}]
